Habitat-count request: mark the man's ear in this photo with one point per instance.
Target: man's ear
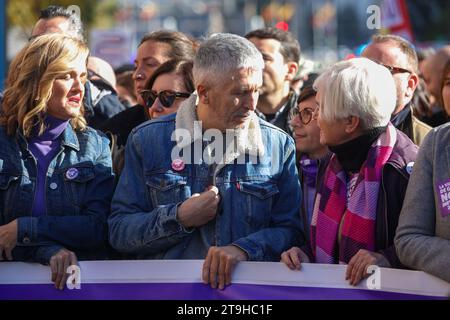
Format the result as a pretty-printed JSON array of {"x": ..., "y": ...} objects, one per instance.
[
  {"x": 413, "y": 82},
  {"x": 203, "y": 94},
  {"x": 352, "y": 124},
  {"x": 292, "y": 70}
]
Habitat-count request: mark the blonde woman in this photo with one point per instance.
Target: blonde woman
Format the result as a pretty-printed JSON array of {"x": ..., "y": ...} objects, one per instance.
[{"x": 56, "y": 180}]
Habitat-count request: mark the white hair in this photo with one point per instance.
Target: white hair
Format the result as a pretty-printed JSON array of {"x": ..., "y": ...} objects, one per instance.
[
  {"x": 222, "y": 54},
  {"x": 357, "y": 87}
]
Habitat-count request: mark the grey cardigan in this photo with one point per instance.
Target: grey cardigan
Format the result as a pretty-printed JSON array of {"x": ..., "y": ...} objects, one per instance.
[{"x": 423, "y": 233}]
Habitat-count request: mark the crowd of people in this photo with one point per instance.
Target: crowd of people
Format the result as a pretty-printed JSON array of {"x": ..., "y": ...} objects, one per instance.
[{"x": 215, "y": 150}]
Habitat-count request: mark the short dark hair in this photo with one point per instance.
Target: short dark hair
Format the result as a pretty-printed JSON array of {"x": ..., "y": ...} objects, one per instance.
[
  {"x": 180, "y": 67},
  {"x": 290, "y": 48},
  {"x": 306, "y": 93},
  {"x": 182, "y": 47},
  {"x": 57, "y": 11}
]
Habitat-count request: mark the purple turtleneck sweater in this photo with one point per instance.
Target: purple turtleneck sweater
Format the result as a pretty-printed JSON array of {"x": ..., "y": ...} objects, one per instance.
[{"x": 44, "y": 149}]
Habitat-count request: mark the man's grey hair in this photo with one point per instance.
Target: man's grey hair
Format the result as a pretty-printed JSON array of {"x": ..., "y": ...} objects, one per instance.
[
  {"x": 75, "y": 24},
  {"x": 357, "y": 87},
  {"x": 222, "y": 54}
]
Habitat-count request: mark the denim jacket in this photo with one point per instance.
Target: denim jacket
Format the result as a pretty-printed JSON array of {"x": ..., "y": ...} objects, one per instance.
[
  {"x": 79, "y": 188},
  {"x": 258, "y": 211}
]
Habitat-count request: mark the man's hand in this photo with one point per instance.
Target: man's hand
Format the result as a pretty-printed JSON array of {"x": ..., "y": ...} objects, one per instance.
[
  {"x": 219, "y": 264},
  {"x": 59, "y": 263},
  {"x": 199, "y": 209},
  {"x": 8, "y": 239},
  {"x": 357, "y": 267},
  {"x": 294, "y": 257}
]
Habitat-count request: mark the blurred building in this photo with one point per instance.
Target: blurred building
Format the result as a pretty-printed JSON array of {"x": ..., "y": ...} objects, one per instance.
[{"x": 327, "y": 29}]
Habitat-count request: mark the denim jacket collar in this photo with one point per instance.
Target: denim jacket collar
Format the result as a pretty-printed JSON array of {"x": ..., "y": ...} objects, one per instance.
[
  {"x": 68, "y": 139},
  {"x": 249, "y": 139}
]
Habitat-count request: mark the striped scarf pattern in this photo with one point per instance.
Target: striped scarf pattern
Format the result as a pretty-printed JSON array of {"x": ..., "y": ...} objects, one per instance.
[{"x": 340, "y": 228}]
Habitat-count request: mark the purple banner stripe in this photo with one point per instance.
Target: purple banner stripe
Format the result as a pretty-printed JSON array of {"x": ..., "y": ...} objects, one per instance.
[{"x": 194, "y": 291}]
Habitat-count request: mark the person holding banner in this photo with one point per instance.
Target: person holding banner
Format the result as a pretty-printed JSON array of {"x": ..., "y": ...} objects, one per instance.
[
  {"x": 56, "y": 180},
  {"x": 177, "y": 200},
  {"x": 361, "y": 192},
  {"x": 423, "y": 233}
]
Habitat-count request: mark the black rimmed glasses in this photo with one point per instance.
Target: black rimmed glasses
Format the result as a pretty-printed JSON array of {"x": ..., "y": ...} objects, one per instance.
[
  {"x": 306, "y": 115},
  {"x": 166, "y": 97}
]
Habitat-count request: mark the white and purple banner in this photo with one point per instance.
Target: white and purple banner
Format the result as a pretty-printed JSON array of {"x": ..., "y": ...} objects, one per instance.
[{"x": 181, "y": 280}]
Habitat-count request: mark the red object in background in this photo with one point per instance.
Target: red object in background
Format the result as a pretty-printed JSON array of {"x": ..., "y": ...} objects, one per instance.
[
  {"x": 282, "y": 25},
  {"x": 350, "y": 56},
  {"x": 395, "y": 18}
]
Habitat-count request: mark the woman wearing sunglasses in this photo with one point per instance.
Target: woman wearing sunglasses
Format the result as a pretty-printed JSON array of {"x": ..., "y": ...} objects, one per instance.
[
  {"x": 168, "y": 87},
  {"x": 154, "y": 49},
  {"x": 310, "y": 151}
]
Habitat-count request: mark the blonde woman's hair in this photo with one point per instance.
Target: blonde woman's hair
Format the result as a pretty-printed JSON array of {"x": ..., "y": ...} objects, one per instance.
[{"x": 30, "y": 80}]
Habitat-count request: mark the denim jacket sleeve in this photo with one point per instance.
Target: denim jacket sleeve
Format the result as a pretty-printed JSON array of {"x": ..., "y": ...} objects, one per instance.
[
  {"x": 135, "y": 226},
  {"x": 88, "y": 229},
  {"x": 43, "y": 254},
  {"x": 286, "y": 228}
]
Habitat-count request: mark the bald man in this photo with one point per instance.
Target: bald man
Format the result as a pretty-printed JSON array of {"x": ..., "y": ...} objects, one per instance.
[
  {"x": 432, "y": 72},
  {"x": 432, "y": 69}
]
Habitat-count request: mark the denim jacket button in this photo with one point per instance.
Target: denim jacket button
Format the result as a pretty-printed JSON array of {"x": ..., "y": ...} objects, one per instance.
[
  {"x": 26, "y": 240},
  {"x": 53, "y": 186}
]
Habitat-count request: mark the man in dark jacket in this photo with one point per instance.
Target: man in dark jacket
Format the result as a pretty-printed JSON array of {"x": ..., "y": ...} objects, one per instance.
[{"x": 281, "y": 54}]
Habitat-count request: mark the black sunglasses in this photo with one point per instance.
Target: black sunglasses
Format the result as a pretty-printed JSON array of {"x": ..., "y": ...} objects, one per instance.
[{"x": 166, "y": 97}]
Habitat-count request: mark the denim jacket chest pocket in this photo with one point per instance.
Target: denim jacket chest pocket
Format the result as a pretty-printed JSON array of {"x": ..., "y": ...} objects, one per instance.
[
  {"x": 75, "y": 180},
  {"x": 257, "y": 200},
  {"x": 167, "y": 188}
]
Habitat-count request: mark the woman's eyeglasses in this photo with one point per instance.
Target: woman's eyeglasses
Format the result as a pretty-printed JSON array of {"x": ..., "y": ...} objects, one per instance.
[
  {"x": 306, "y": 115},
  {"x": 166, "y": 97}
]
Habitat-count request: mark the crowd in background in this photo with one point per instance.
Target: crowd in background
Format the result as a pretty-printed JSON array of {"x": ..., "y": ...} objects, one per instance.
[{"x": 353, "y": 161}]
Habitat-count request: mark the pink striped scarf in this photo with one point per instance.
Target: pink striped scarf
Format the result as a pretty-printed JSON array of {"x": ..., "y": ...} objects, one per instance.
[{"x": 340, "y": 228}]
